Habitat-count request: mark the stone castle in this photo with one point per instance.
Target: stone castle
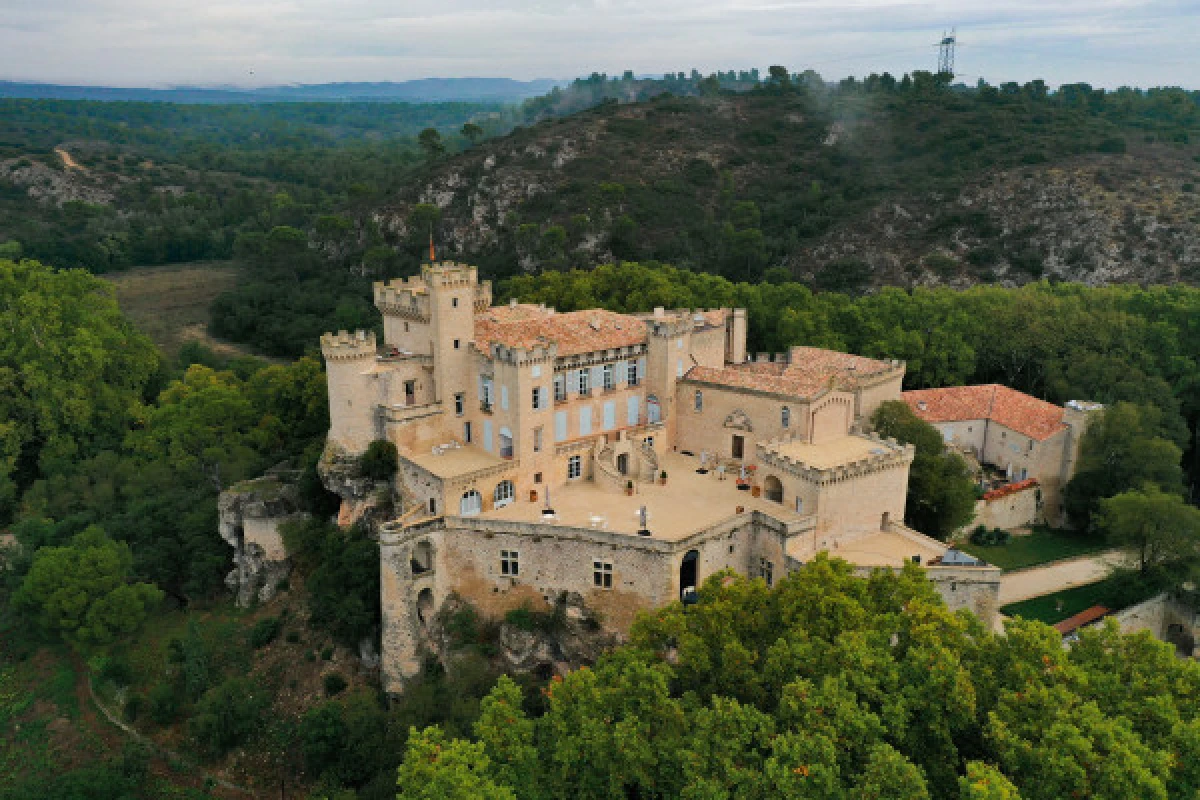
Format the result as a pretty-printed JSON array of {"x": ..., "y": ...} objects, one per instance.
[{"x": 619, "y": 459}]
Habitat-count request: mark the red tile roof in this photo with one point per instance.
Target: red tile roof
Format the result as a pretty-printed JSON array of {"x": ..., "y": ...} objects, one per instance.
[
  {"x": 1009, "y": 488},
  {"x": 811, "y": 369},
  {"x": 1015, "y": 410},
  {"x": 526, "y": 326},
  {"x": 1087, "y": 617}
]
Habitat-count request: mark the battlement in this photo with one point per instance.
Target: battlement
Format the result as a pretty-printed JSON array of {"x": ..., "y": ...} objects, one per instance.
[
  {"x": 841, "y": 459},
  {"x": 345, "y": 346},
  {"x": 403, "y": 298},
  {"x": 446, "y": 274},
  {"x": 538, "y": 354}
]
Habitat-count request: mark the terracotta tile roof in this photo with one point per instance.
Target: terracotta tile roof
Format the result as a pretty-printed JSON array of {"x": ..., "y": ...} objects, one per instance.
[
  {"x": 811, "y": 370},
  {"x": 1087, "y": 617},
  {"x": 1015, "y": 410},
  {"x": 526, "y": 326},
  {"x": 1009, "y": 488}
]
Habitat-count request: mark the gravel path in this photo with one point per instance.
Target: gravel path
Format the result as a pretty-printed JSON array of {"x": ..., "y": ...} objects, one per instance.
[{"x": 1037, "y": 581}]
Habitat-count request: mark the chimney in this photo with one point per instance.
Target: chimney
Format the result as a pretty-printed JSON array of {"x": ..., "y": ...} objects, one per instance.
[{"x": 659, "y": 312}]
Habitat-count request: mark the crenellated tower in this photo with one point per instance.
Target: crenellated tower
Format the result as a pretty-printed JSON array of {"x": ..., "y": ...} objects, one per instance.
[{"x": 353, "y": 388}]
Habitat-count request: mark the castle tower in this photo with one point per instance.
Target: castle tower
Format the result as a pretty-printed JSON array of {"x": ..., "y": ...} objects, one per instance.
[
  {"x": 353, "y": 388},
  {"x": 453, "y": 292},
  {"x": 668, "y": 358}
]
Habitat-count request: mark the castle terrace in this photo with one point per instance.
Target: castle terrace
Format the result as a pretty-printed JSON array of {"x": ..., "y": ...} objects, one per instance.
[
  {"x": 690, "y": 502},
  {"x": 827, "y": 455},
  {"x": 455, "y": 462},
  {"x": 891, "y": 548}
]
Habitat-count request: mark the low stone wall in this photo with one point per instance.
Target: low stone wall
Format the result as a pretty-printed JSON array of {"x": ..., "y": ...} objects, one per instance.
[
  {"x": 1011, "y": 510},
  {"x": 1148, "y": 615}
]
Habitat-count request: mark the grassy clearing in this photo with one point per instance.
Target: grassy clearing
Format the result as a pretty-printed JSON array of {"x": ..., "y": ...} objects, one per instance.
[
  {"x": 170, "y": 303},
  {"x": 1116, "y": 592},
  {"x": 1040, "y": 547}
]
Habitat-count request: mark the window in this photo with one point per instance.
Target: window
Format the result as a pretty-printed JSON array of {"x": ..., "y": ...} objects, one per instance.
[
  {"x": 574, "y": 467},
  {"x": 785, "y": 417},
  {"x": 799, "y": 505},
  {"x": 467, "y": 431},
  {"x": 460, "y": 402},
  {"x": 454, "y": 302},
  {"x": 679, "y": 344},
  {"x": 585, "y": 381},
  {"x": 560, "y": 388},
  {"x": 406, "y": 327},
  {"x": 537, "y": 398},
  {"x": 432, "y": 506},
  {"x": 699, "y": 401},
  {"x": 510, "y": 562},
  {"x": 504, "y": 397},
  {"x": 537, "y": 440},
  {"x": 1031, "y": 445},
  {"x": 560, "y": 426},
  {"x": 537, "y": 477},
  {"x": 536, "y": 371},
  {"x": 470, "y": 504},
  {"x": 632, "y": 373},
  {"x": 485, "y": 394},
  {"x": 609, "y": 382},
  {"x": 766, "y": 571},
  {"x": 503, "y": 494},
  {"x": 506, "y": 443},
  {"x": 602, "y": 574},
  {"x": 585, "y": 421},
  {"x": 679, "y": 368},
  {"x": 457, "y": 344}
]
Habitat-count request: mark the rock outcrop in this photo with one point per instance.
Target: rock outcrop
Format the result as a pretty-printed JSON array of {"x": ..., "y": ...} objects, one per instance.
[
  {"x": 364, "y": 500},
  {"x": 250, "y": 514}
]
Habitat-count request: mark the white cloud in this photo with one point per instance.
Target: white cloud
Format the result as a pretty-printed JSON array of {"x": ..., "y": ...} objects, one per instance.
[{"x": 164, "y": 42}]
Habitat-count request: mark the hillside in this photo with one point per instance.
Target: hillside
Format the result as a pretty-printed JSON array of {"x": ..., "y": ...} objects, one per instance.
[{"x": 843, "y": 187}]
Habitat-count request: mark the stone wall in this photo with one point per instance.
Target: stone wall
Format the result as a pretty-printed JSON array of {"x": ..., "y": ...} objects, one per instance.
[{"x": 1014, "y": 510}]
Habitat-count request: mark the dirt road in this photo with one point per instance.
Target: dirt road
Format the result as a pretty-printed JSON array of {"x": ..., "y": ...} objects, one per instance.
[
  {"x": 1037, "y": 581},
  {"x": 68, "y": 161}
]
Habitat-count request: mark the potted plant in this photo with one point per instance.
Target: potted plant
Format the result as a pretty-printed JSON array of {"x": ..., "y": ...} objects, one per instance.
[
  {"x": 756, "y": 491},
  {"x": 662, "y": 477},
  {"x": 629, "y": 488}
]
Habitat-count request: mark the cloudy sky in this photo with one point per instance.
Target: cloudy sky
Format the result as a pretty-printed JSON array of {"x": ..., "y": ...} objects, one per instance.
[{"x": 264, "y": 42}]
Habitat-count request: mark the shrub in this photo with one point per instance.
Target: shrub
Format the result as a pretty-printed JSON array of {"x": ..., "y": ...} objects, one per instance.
[
  {"x": 265, "y": 631},
  {"x": 133, "y": 707},
  {"x": 334, "y": 683},
  {"x": 379, "y": 461},
  {"x": 293, "y": 637},
  {"x": 163, "y": 702},
  {"x": 1113, "y": 144},
  {"x": 227, "y": 715},
  {"x": 327, "y": 654}
]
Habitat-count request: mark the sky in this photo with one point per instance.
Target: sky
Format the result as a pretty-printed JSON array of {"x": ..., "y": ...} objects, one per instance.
[{"x": 158, "y": 43}]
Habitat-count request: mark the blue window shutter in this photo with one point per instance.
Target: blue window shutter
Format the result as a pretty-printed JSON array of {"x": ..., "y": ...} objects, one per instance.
[
  {"x": 598, "y": 378},
  {"x": 504, "y": 397},
  {"x": 610, "y": 415},
  {"x": 641, "y": 368},
  {"x": 560, "y": 426},
  {"x": 487, "y": 435},
  {"x": 585, "y": 421},
  {"x": 633, "y": 411},
  {"x": 620, "y": 373}
]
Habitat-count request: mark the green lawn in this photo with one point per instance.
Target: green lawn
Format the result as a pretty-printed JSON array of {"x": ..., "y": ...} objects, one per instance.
[
  {"x": 1116, "y": 592},
  {"x": 1039, "y": 547}
]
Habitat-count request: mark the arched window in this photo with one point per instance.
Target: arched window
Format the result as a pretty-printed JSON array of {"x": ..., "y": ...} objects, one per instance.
[
  {"x": 785, "y": 417},
  {"x": 471, "y": 503},
  {"x": 773, "y": 489},
  {"x": 504, "y": 494}
]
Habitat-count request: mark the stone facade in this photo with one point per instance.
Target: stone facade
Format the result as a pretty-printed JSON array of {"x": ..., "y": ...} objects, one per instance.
[{"x": 501, "y": 415}]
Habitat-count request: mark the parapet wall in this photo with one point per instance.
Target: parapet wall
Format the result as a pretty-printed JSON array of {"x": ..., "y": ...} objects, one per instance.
[{"x": 346, "y": 346}]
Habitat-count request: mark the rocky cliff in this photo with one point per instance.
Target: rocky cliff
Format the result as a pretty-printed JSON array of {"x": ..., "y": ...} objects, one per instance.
[{"x": 250, "y": 514}]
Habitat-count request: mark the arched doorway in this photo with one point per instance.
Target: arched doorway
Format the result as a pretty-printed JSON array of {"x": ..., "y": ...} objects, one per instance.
[
  {"x": 689, "y": 574},
  {"x": 422, "y": 557},
  {"x": 773, "y": 489},
  {"x": 504, "y": 494},
  {"x": 623, "y": 463},
  {"x": 653, "y": 410},
  {"x": 425, "y": 606},
  {"x": 471, "y": 503}
]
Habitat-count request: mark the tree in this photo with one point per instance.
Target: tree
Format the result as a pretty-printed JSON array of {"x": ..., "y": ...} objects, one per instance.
[
  {"x": 779, "y": 76},
  {"x": 941, "y": 494},
  {"x": 431, "y": 142},
  {"x": 379, "y": 460},
  {"x": 1123, "y": 449},
  {"x": 437, "y": 768},
  {"x": 889, "y": 776},
  {"x": 1160, "y": 530},
  {"x": 472, "y": 132},
  {"x": 985, "y": 782},
  {"x": 227, "y": 715},
  {"x": 507, "y": 738},
  {"x": 83, "y": 591}
]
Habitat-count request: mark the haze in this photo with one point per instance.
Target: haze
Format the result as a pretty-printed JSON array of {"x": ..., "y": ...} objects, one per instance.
[{"x": 268, "y": 42}]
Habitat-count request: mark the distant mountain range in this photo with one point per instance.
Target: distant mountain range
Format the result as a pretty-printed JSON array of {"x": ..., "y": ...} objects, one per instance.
[{"x": 425, "y": 90}]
